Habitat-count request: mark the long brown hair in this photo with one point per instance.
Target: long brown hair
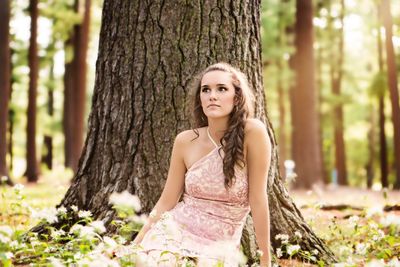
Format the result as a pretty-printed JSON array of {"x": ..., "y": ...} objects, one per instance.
[{"x": 233, "y": 140}]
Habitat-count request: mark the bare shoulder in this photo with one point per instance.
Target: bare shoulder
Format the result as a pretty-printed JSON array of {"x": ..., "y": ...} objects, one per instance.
[
  {"x": 185, "y": 137},
  {"x": 254, "y": 124},
  {"x": 255, "y": 132}
]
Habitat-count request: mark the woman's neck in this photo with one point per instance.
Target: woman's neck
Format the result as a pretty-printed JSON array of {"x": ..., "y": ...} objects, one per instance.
[{"x": 217, "y": 128}]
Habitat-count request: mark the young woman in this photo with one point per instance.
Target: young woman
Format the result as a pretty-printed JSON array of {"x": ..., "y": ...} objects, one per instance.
[{"x": 221, "y": 168}]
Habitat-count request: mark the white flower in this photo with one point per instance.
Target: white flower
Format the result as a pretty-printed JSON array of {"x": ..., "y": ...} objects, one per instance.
[
  {"x": 125, "y": 199},
  {"x": 279, "y": 252},
  {"x": 120, "y": 239},
  {"x": 314, "y": 252},
  {"x": 292, "y": 249},
  {"x": 376, "y": 263},
  {"x": 353, "y": 220},
  {"x": 298, "y": 234},
  {"x": 390, "y": 219},
  {"x": 97, "y": 260},
  {"x": 393, "y": 263},
  {"x": 373, "y": 225},
  {"x": 74, "y": 208},
  {"x": 47, "y": 214},
  {"x": 14, "y": 244},
  {"x": 108, "y": 241},
  {"x": 54, "y": 262},
  {"x": 4, "y": 179},
  {"x": 140, "y": 219},
  {"x": 98, "y": 226},
  {"x": 61, "y": 210},
  {"x": 84, "y": 214},
  {"x": 78, "y": 256},
  {"x": 18, "y": 187},
  {"x": 57, "y": 233},
  {"x": 9, "y": 255},
  {"x": 83, "y": 231},
  {"x": 378, "y": 236},
  {"x": 375, "y": 210},
  {"x": 361, "y": 248},
  {"x": 4, "y": 239},
  {"x": 5, "y": 229}
]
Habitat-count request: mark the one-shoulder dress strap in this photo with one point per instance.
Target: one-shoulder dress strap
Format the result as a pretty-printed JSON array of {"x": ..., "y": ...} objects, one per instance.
[{"x": 212, "y": 140}]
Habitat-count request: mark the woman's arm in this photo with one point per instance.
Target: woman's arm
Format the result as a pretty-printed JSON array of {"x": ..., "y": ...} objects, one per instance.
[
  {"x": 258, "y": 162},
  {"x": 173, "y": 187}
]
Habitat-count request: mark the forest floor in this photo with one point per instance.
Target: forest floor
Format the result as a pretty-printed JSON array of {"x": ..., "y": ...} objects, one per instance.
[{"x": 319, "y": 206}]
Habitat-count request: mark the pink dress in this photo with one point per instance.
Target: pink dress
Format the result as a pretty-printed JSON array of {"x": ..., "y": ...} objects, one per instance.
[{"x": 208, "y": 222}]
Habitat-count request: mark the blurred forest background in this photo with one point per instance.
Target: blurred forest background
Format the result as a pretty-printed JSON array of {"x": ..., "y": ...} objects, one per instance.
[{"x": 46, "y": 86}]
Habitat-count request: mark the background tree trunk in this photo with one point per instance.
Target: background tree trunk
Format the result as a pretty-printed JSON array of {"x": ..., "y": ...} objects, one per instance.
[
  {"x": 68, "y": 90},
  {"x": 31, "y": 160},
  {"x": 381, "y": 107},
  {"x": 5, "y": 77},
  {"x": 305, "y": 120},
  {"x": 393, "y": 88},
  {"x": 336, "y": 73},
  {"x": 75, "y": 87},
  {"x": 47, "y": 157},
  {"x": 146, "y": 59},
  {"x": 78, "y": 97}
]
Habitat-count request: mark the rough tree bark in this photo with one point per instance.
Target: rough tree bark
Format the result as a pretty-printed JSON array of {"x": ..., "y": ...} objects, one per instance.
[
  {"x": 32, "y": 170},
  {"x": 5, "y": 75},
  {"x": 147, "y": 56},
  {"x": 393, "y": 88},
  {"x": 305, "y": 120}
]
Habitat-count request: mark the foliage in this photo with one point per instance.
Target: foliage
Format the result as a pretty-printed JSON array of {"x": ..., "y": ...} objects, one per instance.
[{"x": 370, "y": 238}]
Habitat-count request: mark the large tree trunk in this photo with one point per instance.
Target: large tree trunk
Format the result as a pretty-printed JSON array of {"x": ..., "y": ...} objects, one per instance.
[
  {"x": 305, "y": 145},
  {"x": 31, "y": 160},
  {"x": 146, "y": 59},
  {"x": 282, "y": 119},
  {"x": 5, "y": 75},
  {"x": 393, "y": 88}
]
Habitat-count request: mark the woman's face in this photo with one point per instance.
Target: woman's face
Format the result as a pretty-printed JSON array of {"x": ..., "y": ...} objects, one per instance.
[{"x": 217, "y": 94}]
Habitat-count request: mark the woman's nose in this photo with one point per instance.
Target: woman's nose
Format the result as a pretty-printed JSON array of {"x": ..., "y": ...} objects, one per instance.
[{"x": 212, "y": 94}]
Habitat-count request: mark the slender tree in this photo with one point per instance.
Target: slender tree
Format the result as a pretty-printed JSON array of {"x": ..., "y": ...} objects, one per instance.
[
  {"x": 305, "y": 145},
  {"x": 146, "y": 60},
  {"x": 381, "y": 107},
  {"x": 393, "y": 88},
  {"x": 336, "y": 74},
  {"x": 5, "y": 77},
  {"x": 68, "y": 90},
  {"x": 31, "y": 160},
  {"x": 47, "y": 157},
  {"x": 75, "y": 87}
]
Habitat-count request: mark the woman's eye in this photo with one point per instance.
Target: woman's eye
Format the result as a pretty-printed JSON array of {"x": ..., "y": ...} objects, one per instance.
[
  {"x": 223, "y": 89},
  {"x": 204, "y": 90}
]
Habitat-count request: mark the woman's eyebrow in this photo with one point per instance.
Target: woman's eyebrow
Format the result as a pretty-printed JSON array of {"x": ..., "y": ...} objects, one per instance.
[{"x": 219, "y": 84}]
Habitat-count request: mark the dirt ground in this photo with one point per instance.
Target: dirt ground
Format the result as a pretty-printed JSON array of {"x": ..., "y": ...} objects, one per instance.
[
  {"x": 328, "y": 196},
  {"x": 335, "y": 195}
]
